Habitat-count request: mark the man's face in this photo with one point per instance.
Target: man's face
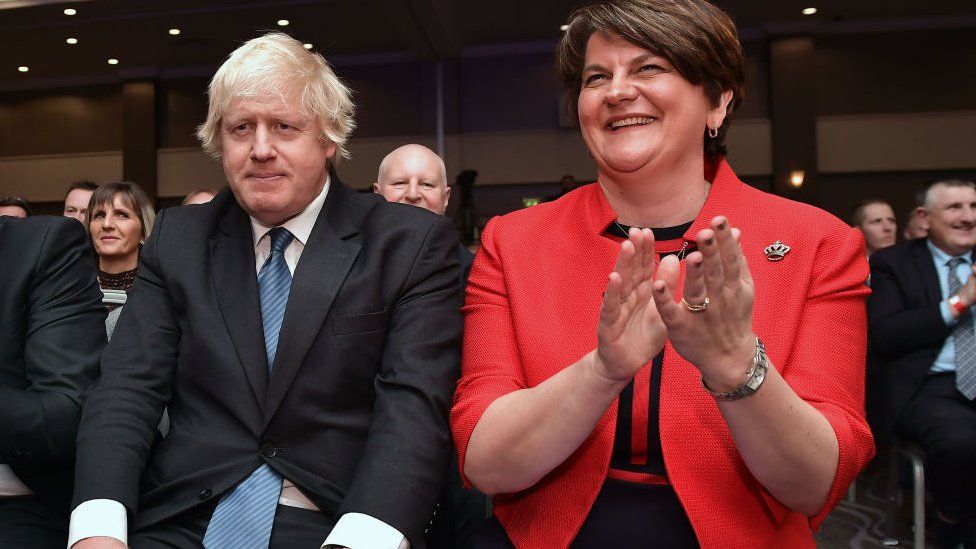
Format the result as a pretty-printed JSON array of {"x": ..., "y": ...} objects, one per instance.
[
  {"x": 76, "y": 204},
  {"x": 273, "y": 156},
  {"x": 950, "y": 217},
  {"x": 13, "y": 211},
  {"x": 915, "y": 226},
  {"x": 413, "y": 176},
  {"x": 879, "y": 226}
]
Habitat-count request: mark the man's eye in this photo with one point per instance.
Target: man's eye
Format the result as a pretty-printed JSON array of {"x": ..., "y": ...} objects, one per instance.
[{"x": 651, "y": 67}]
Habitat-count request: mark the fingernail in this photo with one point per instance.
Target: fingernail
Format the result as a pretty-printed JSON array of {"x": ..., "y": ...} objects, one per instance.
[
  {"x": 708, "y": 241},
  {"x": 721, "y": 226}
]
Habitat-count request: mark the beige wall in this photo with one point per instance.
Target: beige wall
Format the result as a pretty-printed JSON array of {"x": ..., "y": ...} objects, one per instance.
[
  {"x": 865, "y": 143},
  {"x": 896, "y": 142},
  {"x": 45, "y": 178}
]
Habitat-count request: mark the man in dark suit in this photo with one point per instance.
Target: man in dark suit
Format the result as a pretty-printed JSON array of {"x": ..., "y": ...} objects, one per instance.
[
  {"x": 303, "y": 336},
  {"x": 52, "y": 331},
  {"x": 922, "y": 335}
]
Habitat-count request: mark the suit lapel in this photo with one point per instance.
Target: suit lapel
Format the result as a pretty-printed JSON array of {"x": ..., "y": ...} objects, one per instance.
[
  {"x": 926, "y": 268},
  {"x": 236, "y": 287},
  {"x": 325, "y": 262}
]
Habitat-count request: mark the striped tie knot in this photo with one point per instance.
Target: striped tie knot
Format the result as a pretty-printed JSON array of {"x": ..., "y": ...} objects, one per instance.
[{"x": 280, "y": 239}]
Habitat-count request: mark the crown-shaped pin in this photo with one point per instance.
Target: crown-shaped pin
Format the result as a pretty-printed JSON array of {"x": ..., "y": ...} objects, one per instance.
[{"x": 776, "y": 250}]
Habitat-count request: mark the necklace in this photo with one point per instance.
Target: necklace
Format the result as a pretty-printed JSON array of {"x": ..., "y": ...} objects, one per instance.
[{"x": 625, "y": 231}]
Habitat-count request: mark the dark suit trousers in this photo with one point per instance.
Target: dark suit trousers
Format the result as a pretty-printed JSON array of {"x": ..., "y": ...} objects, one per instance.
[
  {"x": 293, "y": 528},
  {"x": 943, "y": 423},
  {"x": 26, "y": 522}
]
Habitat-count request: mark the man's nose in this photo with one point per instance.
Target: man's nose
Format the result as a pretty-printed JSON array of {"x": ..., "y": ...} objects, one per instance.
[
  {"x": 263, "y": 146},
  {"x": 413, "y": 192}
]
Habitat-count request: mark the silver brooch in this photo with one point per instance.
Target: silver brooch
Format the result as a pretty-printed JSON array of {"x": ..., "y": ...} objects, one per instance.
[{"x": 776, "y": 250}]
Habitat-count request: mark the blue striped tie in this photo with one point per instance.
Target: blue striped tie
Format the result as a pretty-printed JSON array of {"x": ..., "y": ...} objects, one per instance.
[{"x": 244, "y": 517}]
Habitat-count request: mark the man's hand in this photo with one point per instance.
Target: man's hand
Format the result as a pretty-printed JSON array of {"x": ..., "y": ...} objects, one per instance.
[{"x": 99, "y": 542}]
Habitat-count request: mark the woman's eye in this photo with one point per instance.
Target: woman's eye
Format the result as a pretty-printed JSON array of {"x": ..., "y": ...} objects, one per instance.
[{"x": 593, "y": 79}]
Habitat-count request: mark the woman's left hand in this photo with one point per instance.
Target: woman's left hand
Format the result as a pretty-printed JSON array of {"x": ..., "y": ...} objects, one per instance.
[{"x": 718, "y": 340}]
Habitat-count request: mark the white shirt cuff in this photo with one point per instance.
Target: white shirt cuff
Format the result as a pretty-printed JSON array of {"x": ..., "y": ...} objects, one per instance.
[
  {"x": 98, "y": 517},
  {"x": 361, "y": 531}
]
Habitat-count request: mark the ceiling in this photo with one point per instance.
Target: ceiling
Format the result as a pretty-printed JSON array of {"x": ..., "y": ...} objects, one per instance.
[{"x": 33, "y": 32}]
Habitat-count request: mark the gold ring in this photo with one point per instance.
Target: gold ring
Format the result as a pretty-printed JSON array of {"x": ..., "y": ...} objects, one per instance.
[{"x": 700, "y": 308}]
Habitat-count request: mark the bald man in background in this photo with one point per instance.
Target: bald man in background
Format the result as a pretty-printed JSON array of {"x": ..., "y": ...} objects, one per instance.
[{"x": 415, "y": 175}]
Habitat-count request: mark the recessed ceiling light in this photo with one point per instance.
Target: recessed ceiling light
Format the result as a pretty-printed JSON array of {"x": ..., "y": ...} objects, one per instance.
[
  {"x": 72, "y": 41},
  {"x": 70, "y": 11},
  {"x": 23, "y": 68},
  {"x": 174, "y": 32},
  {"x": 283, "y": 22},
  {"x": 564, "y": 28},
  {"x": 308, "y": 46},
  {"x": 113, "y": 61},
  {"x": 809, "y": 11}
]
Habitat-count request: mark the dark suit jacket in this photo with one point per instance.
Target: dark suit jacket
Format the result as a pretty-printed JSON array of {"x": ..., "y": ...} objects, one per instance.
[
  {"x": 355, "y": 410},
  {"x": 905, "y": 324},
  {"x": 52, "y": 331}
]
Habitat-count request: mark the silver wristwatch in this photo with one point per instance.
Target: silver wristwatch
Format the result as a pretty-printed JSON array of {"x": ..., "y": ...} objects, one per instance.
[{"x": 754, "y": 377}]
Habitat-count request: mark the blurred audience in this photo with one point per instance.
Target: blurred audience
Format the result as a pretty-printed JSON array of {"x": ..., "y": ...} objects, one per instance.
[
  {"x": 77, "y": 198},
  {"x": 14, "y": 206},
  {"x": 51, "y": 338},
  {"x": 876, "y": 221},
  {"x": 922, "y": 333},
  {"x": 199, "y": 196},
  {"x": 120, "y": 218},
  {"x": 915, "y": 224}
]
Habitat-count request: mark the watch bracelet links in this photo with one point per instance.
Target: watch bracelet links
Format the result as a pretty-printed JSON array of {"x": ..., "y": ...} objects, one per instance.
[{"x": 757, "y": 374}]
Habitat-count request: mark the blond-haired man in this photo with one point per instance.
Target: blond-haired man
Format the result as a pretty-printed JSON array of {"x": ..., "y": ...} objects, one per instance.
[{"x": 303, "y": 336}]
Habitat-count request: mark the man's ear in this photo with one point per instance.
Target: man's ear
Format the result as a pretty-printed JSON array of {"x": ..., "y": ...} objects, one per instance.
[
  {"x": 376, "y": 187},
  {"x": 447, "y": 196},
  {"x": 923, "y": 215}
]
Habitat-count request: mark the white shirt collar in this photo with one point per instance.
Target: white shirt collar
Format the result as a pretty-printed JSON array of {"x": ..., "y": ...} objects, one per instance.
[
  {"x": 299, "y": 226},
  {"x": 941, "y": 257}
]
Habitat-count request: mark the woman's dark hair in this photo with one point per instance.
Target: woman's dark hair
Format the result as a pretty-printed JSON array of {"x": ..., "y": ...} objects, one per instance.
[{"x": 696, "y": 37}]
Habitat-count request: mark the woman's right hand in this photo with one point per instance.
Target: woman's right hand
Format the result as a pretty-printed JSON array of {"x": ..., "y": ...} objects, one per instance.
[{"x": 631, "y": 332}]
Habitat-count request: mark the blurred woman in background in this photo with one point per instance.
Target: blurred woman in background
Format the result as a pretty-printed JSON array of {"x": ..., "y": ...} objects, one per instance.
[{"x": 120, "y": 218}]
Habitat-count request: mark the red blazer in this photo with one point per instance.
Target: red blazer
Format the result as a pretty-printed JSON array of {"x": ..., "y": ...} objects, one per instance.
[{"x": 533, "y": 300}]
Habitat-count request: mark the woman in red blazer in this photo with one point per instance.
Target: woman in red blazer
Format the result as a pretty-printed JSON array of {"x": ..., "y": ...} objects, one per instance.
[{"x": 614, "y": 391}]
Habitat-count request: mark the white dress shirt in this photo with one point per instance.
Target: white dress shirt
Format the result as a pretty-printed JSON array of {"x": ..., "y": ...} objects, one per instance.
[{"x": 104, "y": 517}]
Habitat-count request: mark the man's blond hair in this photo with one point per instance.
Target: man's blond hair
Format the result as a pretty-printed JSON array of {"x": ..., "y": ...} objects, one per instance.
[{"x": 275, "y": 65}]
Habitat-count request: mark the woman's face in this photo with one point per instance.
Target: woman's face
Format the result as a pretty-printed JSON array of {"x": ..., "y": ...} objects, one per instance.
[
  {"x": 115, "y": 229},
  {"x": 635, "y": 108}
]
